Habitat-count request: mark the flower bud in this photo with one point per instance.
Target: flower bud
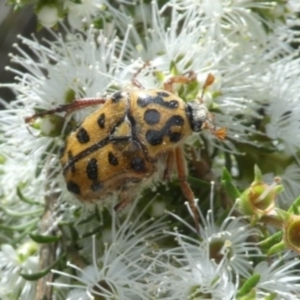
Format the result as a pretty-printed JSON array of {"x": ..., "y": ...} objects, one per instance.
[
  {"x": 27, "y": 249},
  {"x": 259, "y": 199},
  {"x": 48, "y": 15},
  {"x": 291, "y": 233},
  {"x": 49, "y": 126}
]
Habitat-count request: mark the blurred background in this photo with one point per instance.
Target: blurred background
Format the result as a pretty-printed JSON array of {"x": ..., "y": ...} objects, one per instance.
[{"x": 13, "y": 23}]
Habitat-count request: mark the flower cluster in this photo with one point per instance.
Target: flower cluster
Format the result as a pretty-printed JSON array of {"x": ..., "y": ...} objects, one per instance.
[{"x": 54, "y": 246}]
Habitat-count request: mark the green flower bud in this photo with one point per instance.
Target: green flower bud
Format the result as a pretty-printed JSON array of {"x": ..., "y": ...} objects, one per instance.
[
  {"x": 259, "y": 199},
  {"x": 291, "y": 233}
]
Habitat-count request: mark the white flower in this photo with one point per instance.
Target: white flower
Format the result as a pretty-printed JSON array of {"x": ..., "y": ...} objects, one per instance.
[
  {"x": 93, "y": 64},
  {"x": 83, "y": 12},
  {"x": 284, "y": 107},
  {"x": 281, "y": 277},
  {"x": 82, "y": 65},
  {"x": 48, "y": 15},
  {"x": 294, "y": 5},
  {"x": 118, "y": 266},
  {"x": 178, "y": 40},
  {"x": 290, "y": 179},
  {"x": 12, "y": 263},
  {"x": 226, "y": 242},
  {"x": 237, "y": 19},
  {"x": 194, "y": 276},
  {"x": 17, "y": 170},
  {"x": 246, "y": 48},
  {"x": 211, "y": 263}
]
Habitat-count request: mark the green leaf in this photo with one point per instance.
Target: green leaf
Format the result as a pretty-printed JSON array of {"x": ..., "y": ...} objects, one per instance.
[
  {"x": 229, "y": 187},
  {"x": 87, "y": 220},
  {"x": 295, "y": 207},
  {"x": 194, "y": 181},
  {"x": 272, "y": 296},
  {"x": 38, "y": 275},
  {"x": 90, "y": 233},
  {"x": 270, "y": 241},
  {"x": 20, "y": 227},
  {"x": 35, "y": 276},
  {"x": 23, "y": 235},
  {"x": 277, "y": 248},
  {"x": 44, "y": 239},
  {"x": 226, "y": 175},
  {"x": 25, "y": 199},
  {"x": 69, "y": 96},
  {"x": 248, "y": 285},
  {"x": 257, "y": 174},
  {"x": 173, "y": 68},
  {"x": 250, "y": 296},
  {"x": 17, "y": 214}
]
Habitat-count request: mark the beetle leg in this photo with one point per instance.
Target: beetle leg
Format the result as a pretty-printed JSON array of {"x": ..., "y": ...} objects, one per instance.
[
  {"x": 134, "y": 80},
  {"x": 125, "y": 200},
  {"x": 169, "y": 166},
  {"x": 208, "y": 81},
  {"x": 137, "y": 84},
  {"x": 185, "y": 187},
  {"x": 186, "y": 78},
  {"x": 75, "y": 105}
]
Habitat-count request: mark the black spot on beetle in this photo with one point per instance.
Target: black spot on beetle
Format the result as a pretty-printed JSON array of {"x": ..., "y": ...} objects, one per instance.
[
  {"x": 163, "y": 94},
  {"x": 112, "y": 159},
  {"x": 174, "y": 136},
  {"x": 70, "y": 157},
  {"x": 92, "y": 169},
  {"x": 101, "y": 121},
  {"x": 159, "y": 99},
  {"x": 73, "y": 187},
  {"x": 96, "y": 186},
  {"x": 173, "y": 104},
  {"x": 175, "y": 120},
  {"x": 61, "y": 151},
  {"x": 151, "y": 116},
  {"x": 116, "y": 97},
  {"x": 86, "y": 152},
  {"x": 138, "y": 164},
  {"x": 154, "y": 137},
  {"x": 82, "y": 136}
]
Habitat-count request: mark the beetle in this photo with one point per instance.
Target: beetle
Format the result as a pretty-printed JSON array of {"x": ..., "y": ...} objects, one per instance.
[{"x": 134, "y": 138}]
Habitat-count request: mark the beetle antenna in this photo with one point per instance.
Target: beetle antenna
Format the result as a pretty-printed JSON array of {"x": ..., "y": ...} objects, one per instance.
[{"x": 75, "y": 105}]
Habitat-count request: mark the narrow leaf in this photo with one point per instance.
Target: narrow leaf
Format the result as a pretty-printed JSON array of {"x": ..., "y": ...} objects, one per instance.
[
  {"x": 249, "y": 285},
  {"x": 44, "y": 239}
]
